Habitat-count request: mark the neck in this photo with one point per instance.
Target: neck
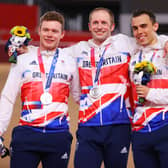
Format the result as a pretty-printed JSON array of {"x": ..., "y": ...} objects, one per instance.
[
  {"x": 152, "y": 42},
  {"x": 47, "y": 49},
  {"x": 99, "y": 42}
]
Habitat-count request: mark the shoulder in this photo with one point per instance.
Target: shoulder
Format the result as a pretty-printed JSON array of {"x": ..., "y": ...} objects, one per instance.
[
  {"x": 26, "y": 57},
  {"x": 124, "y": 42},
  {"x": 76, "y": 49},
  {"x": 120, "y": 36},
  {"x": 32, "y": 48},
  {"x": 64, "y": 55},
  {"x": 68, "y": 61},
  {"x": 79, "y": 45}
]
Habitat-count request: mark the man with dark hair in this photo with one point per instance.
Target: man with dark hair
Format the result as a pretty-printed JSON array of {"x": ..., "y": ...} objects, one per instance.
[
  {"x": 150, "y": 121},
  {"x": 44, "y": 77},
  {"x": 151, "y": 15}
]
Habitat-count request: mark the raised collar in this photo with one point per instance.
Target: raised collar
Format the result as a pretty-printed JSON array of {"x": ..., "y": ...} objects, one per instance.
[
  {"x": 107, "y": 41},
  {"x": 47, "y": 53}
]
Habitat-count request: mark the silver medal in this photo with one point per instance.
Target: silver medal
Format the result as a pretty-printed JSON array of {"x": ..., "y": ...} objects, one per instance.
[
  {"x": 46, "y": 98},
  {"x": 95, "y": 92}
]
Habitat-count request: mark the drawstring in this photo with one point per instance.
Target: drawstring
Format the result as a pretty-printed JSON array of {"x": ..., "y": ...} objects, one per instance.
[
  {"x": 123, "y": 92},
  {"x": 163, "y": 115},
  {"x": 121, "y": 103},
  {"x": 60, "y": 119},
  {"x": 149, "y": 128}
]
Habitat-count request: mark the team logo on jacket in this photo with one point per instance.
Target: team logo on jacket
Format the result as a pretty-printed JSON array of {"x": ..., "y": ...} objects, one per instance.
[
  {"x": 62, "y": 61},
  {"x": 107, "y": 61},
  {"x": 84, "y": 53},
  {"x": 26, "y": 74},
  {"x": 33, "y": 63}
]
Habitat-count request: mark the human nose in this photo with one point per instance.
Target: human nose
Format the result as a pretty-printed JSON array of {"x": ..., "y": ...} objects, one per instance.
[
  {"x": 99, "y": 26},
  {"x": 49, "y": 33},
  {"x": 139, "y": 30}
]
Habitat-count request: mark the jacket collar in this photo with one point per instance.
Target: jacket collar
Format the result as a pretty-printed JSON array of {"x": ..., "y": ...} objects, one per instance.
[{"x": 106, "y": 42}]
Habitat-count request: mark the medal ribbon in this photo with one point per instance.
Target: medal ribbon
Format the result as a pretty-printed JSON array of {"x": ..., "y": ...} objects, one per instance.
[
  {"x": 153, "y": 55},
  {"x": 52, "y": 68},
  {"x": 99, "y": 65}
]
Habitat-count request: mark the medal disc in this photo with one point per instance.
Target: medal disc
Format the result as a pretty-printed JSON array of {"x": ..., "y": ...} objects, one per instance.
[
  {"x": 46, "y": 98},
  {"x": 95, "y": 92}
]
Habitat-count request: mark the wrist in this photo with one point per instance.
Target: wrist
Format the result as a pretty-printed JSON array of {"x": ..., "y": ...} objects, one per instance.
[{"x": 1, "y": 140}]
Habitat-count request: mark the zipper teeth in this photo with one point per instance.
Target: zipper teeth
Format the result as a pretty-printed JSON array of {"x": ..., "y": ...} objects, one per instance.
[
  {"x": 101, "y": 117},
  {"x": 45, "y": 117},
  {"x": 100, "y": 103}
]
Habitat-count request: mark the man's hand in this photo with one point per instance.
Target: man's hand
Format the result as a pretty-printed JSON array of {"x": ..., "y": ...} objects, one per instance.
[
  {"x": 166, "y": 47},
  {"x": 3, "y": 150},
  {"x": 21, "y": 50},
  {"x": 142, "y": 90}
]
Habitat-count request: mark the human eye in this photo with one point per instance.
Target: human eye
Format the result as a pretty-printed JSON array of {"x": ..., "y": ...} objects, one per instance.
[
  {"x": 104, "y": 22},
  {"x": 95, "y": 22},
  {"x": 55, "y": 31},
  {"x": 143, "y": 25},
  {"x": 45, "y": 29},
  {"x": 134, "y": 28}
]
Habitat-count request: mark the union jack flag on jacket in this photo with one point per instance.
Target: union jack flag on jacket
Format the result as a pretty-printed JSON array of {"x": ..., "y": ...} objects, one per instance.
[
  {"x": 153, "y": 114},
  {"x": 26, "y": 78},
  {"x": 113, "y": 104}
]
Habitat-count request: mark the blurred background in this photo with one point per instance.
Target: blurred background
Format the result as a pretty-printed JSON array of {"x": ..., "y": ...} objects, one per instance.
[{"x": 76, "y": 12}]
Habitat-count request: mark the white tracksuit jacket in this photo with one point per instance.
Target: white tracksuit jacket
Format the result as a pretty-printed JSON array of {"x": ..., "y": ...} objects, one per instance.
[
  {"x": 25, "y": 78},
  {"x": 154, "y": 113},
  {"x": 113, "y": 106}
]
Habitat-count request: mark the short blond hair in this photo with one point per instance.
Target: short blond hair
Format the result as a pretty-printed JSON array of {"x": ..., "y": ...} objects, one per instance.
[{"x": 103, "y": 9}]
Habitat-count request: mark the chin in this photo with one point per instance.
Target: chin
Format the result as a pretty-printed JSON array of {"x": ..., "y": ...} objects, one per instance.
[
  {"x": 142, "y": 43},
  {"x": 50, "y": 48},
  {"x": 101, "y": 39}
]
